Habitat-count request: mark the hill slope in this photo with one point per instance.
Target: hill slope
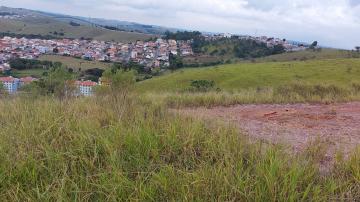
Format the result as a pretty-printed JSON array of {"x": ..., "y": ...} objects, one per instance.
[
  {"x": 325, "y": 53},
  {"x": 38, "y": 23},
  {"x": 252, "y": 75}
]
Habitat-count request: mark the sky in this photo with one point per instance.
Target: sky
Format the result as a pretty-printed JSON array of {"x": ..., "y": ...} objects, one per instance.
[{"x": 334, "y": 23}]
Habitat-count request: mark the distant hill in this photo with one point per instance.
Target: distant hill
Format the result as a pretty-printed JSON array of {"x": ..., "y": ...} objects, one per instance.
[{"x": 29, "y": 22}]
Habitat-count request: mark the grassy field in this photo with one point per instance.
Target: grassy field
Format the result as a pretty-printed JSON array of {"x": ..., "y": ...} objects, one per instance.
[
  {"x": 111, "y": 148},
  {"x": 37, "y": 73},
  {"x": 48, "y": 26},
  {"x": 310, "y": 55},
  {"x": 75, "y": 63},
  {"x": 235, "y": 77}
]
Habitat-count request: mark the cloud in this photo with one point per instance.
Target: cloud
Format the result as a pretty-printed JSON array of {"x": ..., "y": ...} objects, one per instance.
[{"x": 332, "y": 22}]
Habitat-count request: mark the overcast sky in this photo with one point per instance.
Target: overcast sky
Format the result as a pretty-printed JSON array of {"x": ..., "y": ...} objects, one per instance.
[{"x": 333, "y": 23}]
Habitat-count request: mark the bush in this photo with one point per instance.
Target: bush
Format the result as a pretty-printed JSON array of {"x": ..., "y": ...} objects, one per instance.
[{"x": 202, "y": 85}]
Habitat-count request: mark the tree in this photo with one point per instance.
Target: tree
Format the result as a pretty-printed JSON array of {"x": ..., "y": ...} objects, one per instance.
[
  {"x": 55, "y": 50},
  {"x": 57, "y": 82},
  {"x": 313, "y": 45},
  {"x": 2, "y": 91},
  {"x": 175, "y": 62},
  {"x": 21, "y": 64},
  {"x": 278, "y": 49},
  {"x": 357, "y": 48}
]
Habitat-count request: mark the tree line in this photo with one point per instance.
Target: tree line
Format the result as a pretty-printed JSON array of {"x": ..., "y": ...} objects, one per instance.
[{"x": 23, "y": 64}]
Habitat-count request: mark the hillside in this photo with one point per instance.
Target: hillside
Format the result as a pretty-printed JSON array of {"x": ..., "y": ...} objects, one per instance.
[
  {"x": 325, "y": 53},
  {"x": 37, "y": 23},
  {"x": 253, "y": 75}
]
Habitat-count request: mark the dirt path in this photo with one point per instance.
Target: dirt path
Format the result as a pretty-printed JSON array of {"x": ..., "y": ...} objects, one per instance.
[{"x": 337, "y": 125}]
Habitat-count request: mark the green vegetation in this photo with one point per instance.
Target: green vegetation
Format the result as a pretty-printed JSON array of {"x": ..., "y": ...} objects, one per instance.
[
  {"x": 115, "y": 147},
  {"x": 310, "y": 55},
  {"x": 37, "y": 73},
  {"x": 183, "y": 36},
  {"x": 122, "y": 146},
  {"x": 235, "y": 77},
  {"x": 75, "y": 63},
  {"x": 26, "y": 64},
  {"x": 57, "y": 82},
  {"x": 202, "y": 85},
  {"x": 239, "y": 48},
  {"x": 175, "y": 62},
  {"x": 248, "y": 83}
]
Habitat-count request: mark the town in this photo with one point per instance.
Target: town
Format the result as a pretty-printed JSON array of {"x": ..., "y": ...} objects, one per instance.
[{"x": 150, "y": 54}]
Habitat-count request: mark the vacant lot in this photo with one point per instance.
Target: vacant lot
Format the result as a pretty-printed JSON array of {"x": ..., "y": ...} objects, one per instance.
[{"x": 336, "y": 126}]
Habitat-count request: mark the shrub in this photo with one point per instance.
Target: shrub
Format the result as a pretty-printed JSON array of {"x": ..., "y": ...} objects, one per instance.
[{"x": 202, "y": 85}]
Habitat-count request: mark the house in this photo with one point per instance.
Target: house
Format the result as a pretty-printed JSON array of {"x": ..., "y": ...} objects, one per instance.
[
  {"x": 4, "y": 67},
  {"x": 26, "y": 80},
  {"x": 10, "y": 84},
  {"x": 86, "y": 88}
]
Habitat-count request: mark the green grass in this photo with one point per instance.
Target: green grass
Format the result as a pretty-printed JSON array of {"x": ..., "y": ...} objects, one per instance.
[
  {"x": 113, "y": 149},
  {"x": 29, "y": 72},
  {"x": 75, "y": 63},
  {"x": 310, "y": 55},
  {"x": 235, "y": 77}
]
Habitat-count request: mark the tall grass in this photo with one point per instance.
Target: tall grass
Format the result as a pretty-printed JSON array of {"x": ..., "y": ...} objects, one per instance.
[
  {"x": 106, "y": 149},
  {"x": 291, "y": 93}
]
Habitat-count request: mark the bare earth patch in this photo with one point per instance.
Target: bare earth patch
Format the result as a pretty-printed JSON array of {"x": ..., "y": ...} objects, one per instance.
[{"x": 337, "y": 125}]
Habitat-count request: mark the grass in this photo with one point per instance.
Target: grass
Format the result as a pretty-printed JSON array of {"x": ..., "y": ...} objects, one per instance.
[
  {"x": 75, "y": 63},
  {"x": 235, "y": 77},
  {"x": 130, "y": 147},
  {"x": 310, "y": 55},
  {"x": 37, "y": 73},
  {"x": 293, "y": 93},
  {"x": 111, "y": 148}
]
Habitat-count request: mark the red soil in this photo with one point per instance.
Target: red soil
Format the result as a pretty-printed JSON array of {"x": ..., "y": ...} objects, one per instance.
[{"x": 337, "y": 125}]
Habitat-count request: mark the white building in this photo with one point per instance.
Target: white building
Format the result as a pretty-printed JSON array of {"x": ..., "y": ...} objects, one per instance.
[
  {"x": 86, "y": 88},
  {"x": 10, "y": 84}
]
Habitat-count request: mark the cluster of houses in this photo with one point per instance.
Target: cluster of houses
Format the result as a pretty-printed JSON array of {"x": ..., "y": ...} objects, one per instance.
[
  {"x": 151, "y": 54},
  {"x": 11, "y": 85},
  {"x": 269, "y": 41}
]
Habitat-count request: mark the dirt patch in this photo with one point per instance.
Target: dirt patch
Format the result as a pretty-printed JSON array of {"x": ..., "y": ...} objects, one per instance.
[{"x": 337, "y": 125}]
